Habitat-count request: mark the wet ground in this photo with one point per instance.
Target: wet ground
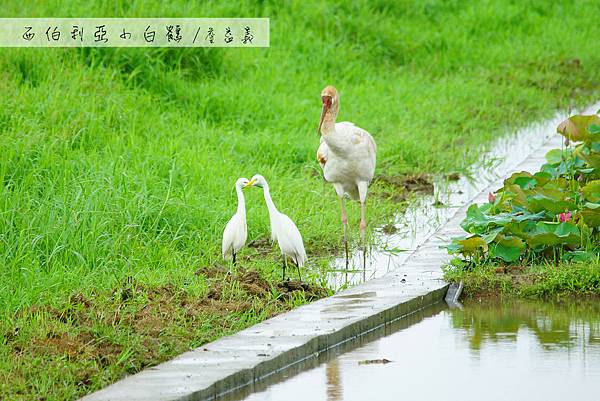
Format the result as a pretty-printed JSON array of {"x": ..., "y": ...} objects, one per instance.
[
  {"x": 426, "y": 215},
  {"x": 487, "y": 351}
]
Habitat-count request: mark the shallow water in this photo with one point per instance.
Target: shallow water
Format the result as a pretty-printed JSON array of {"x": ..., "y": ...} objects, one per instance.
[
  {"x": 487, "y": 351},
  {"x": 423, "y": 218}
]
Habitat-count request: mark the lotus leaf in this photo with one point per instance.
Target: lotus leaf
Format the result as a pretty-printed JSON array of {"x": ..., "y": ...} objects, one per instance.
[
  {"x": 552, "y": 234},
  {"x": 579, "y": 256},
  {"x": 591, "y": 191},
  {"x": 575, "y": 128},
  {"x": 540, "y": 203},
  {"x": 591, "y": 216},
  {"x": 507, "y": 248}
]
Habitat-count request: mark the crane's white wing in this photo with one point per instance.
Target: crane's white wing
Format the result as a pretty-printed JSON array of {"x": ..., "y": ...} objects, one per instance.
[
  {"x": 362, "y": 149},
  {"x": 322, "y": 153}
]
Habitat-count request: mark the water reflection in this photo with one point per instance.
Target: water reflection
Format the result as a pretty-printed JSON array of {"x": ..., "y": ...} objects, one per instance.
[
  {"x": 489, "y": 350},
  {"x": 553, "y": 324},
  {"x": 334, "y": 380}
]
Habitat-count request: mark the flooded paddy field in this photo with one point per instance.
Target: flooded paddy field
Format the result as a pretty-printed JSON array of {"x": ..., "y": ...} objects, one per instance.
[{"x": 395, "y": 242}]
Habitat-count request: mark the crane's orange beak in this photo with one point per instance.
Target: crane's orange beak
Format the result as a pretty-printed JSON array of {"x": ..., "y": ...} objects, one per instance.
[
  {"x": 250, "y": 183},
  {"x": 326, "y": 106}
]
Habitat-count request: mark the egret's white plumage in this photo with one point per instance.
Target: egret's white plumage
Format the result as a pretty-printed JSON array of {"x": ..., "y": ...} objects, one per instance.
[
  {"x": 283, "y": 229},
  {"x": 347, "y": 155},
  {"x": 236, "y": 231}
]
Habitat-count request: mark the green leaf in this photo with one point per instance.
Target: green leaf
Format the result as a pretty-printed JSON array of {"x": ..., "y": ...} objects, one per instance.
[
  {"x": 546, "y": 239},
  {"x": 591, "y": 215},
  {"x": 591, "y": 191},
  {"x": 455, "y": 246},
  {"x": 594, "y": 129},
  {"x": 473, "y": 244},
  {"x": 551, "y": 234},
  {"x": 542, "y": 178},
  {"x": 478, "y": 222},
  {"x": 566, "y": 229},
  {"x": 526, "y": 182},
  {"x": 523, "y": 179},
  {"x": 576, "y": 127},
  {"x": 592, "y": 159},
  {"x": 579, "y": 256},
  {"x": 491, "y": 236},
  {"x": 467, "y": 246},
  {"x": 508, "y": 248},
  {"x": 541, "y": 203},
  {"x": 506, "y": 253},
  {"x": 555, "y": 156}
]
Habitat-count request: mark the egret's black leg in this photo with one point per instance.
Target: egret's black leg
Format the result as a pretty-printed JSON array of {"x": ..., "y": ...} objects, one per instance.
[
  {"x": 284, "y": 263},
  {"x": 233, "y": 253},
  {"x": 298, "y": 268}
]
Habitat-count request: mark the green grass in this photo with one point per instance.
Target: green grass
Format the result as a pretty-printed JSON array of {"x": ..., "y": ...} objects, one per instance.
[
  {"x": 120, "y": 163},
  {"x": 539, "y": 281}
]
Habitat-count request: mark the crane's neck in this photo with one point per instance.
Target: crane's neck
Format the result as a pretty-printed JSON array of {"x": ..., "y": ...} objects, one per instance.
[
  {"x": 328, "y": 126},
  {"x": 336, "y": 140},
  {"x": 270, "y": 205},
  {"x": 241, "y": 208}
]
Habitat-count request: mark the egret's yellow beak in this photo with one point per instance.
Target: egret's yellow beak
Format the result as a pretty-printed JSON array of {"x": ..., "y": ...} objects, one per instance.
[{"x": 250, "y": 183}]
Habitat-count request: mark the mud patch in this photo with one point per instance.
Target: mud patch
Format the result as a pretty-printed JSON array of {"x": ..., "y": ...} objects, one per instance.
[
  {"x": 94, "y": 338},
  {"x": 421, "y": 183},
  {"x": 262, "y": 246},
  {"x": 79, "y": 346},
  {"x": 389, "y": 229},
  {"x": 453, "y": 177},
  {"x": 398, "y": 189},
  {"x": 212, "y": 271},
  {"x": 311, "y": 292},
  {"x": 253, "y": 285}
]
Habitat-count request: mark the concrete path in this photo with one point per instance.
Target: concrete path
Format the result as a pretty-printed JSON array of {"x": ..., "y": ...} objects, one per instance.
[{"x": 269, "y": 347}]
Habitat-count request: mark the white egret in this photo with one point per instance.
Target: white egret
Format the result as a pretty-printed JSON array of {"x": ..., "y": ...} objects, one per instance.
[
  {"x": 347, "y": 155},
  {"x": 236, "y": 231},
  {"x": 283, "y": 229}
]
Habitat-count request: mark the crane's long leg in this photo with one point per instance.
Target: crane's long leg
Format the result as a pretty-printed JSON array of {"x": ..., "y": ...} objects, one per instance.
[
  {"x": 345, "y": 225},
  {"x": 362, "y": 193},
  {"x": 363, "y": 226},
  {"x": 233, "y": 253}
]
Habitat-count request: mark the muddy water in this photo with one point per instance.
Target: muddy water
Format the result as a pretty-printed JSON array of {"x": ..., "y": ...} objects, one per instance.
[
  {"x": 429, "y": 213},
  {"x": 488, "y": 351}
]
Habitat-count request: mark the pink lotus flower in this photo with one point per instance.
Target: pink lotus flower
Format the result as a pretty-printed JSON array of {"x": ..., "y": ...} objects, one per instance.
[
  {"x": 491, "y": 197},
  {"x": 564, "y": 217}
]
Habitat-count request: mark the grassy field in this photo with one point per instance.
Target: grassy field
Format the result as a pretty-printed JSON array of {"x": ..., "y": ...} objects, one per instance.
[{"x": 117, "y": 165}]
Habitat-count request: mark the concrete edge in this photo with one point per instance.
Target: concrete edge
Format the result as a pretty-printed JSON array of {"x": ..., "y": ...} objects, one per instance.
[{"x": 349, "y": 334}]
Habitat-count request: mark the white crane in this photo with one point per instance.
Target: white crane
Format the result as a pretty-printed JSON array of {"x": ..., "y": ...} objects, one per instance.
[
  {"x": 283, "y": 229},
  {"x": 347, "y": 155},
  {"x": 236, "y": 231}
]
